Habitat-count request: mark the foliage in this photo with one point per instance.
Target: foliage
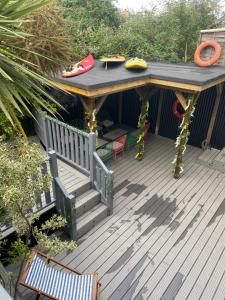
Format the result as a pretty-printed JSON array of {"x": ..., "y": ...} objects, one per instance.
[
  {"x": 182, "y": 139},
  {"x": 144, "y": 97},
  {"x": 91, "y": 13},
  {"x": 20, "y": 87},
  {"x": 90, "y": 119},
  {"x": 22, "y": 183},
  {"x": 48, "y": 36},
  {"x": 168, "y": 35},
  {"x": 7, "y": 132}
]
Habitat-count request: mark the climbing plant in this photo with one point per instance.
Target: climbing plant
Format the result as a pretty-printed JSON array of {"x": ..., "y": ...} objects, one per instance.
[
  {"x": 182, "y": 139},
  {"x": 141, "y": 124},
  {"x": 90, "y": 118}
]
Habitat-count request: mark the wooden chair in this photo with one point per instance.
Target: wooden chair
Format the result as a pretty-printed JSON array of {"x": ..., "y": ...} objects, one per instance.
[
  {"x": 118, "y": 146},
  {"x": 50, "y": 278}
]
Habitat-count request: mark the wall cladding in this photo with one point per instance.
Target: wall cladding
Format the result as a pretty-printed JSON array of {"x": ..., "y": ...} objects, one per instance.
[{"x": 169, "y": 123}]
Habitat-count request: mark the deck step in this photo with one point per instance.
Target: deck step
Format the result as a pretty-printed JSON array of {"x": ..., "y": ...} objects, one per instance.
[
  {"x": 88, "y": 220},
  {"x": 86, "y": 202},
  {"x": 214, "y": 159},
  {"x": 80, "y": 188},
  {"x": 208, "y": 156}
]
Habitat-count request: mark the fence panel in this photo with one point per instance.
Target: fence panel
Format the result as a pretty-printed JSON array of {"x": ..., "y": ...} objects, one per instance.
[{"x": 69, "y": 143}]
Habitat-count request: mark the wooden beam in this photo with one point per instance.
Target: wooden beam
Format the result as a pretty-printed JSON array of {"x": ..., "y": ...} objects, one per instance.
[
  {"x": 146, "y": 91},
  {"x": 161, "y": 96},
  {"x": 219, "y": 90},
  {"x": 181, "y": 99},
  {"x": 120, "y": 112},
  {"x": 115, "y": 88},
  {"x": 101, "y": 101},
  {"x": 84, "y": 102}
]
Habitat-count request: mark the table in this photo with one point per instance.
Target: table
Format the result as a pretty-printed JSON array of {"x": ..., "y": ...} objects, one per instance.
[
  {"x": 100, "y": 143},
  {"x": 115, "y": 134}
]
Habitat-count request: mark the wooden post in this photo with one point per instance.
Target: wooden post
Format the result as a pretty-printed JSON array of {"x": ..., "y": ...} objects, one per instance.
[
  {"x": 120, "y": 112},
  {"x": 145, "y": 94},
  {"x": 161, "y": 96},
  {"x": 70, "y": 208},
  {"x": 53, "y": 170},
  {"x": 92, "y": 149},
  {"x": 219, "y": 90},
  {"x": 182, "y": 139},
  {"x": 110, "y": 191}
]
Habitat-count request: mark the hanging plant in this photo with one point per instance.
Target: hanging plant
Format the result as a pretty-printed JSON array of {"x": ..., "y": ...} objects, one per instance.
[
  {"x": 182, "y": 139},
  {"x": 141, "y": 124},
  {"x": 91, "y": 120}
]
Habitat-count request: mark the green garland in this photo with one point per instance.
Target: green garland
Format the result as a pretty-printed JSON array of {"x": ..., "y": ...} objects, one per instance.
[
  {"x": 91, "y": 121},
  {"x": 182, "y": 139},
  {"x": 141, "y": 124}
]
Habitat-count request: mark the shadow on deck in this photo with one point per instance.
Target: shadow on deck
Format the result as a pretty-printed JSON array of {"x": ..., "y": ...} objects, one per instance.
[{"x": 165, "y": 239}]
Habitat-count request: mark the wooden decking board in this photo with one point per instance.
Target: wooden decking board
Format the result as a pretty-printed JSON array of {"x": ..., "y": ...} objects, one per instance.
[
  {"x": 169, "y": 177},
  {"x": 123, "y": 203},
  {"x": 214, "y": 279},
  {"x": 207, "y": 238},
  {"x": 103, "y": 227},
  {"x": 155, "y": 251},
  {"x": 220, "y": 289},
  {"x": 148, "y": 243},
  {"x": 176, "y": 256},
  {"x": 208, "y": 268}
]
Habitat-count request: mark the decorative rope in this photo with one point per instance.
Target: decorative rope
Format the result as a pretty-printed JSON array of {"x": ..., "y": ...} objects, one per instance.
[
  {"x": 141, "y": 124},
  {"x": 182, "y": 139},
  {"x": 91, "y": 120}
]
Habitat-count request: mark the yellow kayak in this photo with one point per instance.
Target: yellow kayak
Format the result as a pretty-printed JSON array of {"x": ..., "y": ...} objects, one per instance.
[{"x": 136, "y": 63}]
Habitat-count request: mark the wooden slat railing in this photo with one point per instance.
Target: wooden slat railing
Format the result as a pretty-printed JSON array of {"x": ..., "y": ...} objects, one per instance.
[
  {"x": 103, "y": 181},
  {"x": 65, "y": 203},
  {"x": 69, "y": 143},
  {"x": 79, "y": 149}
]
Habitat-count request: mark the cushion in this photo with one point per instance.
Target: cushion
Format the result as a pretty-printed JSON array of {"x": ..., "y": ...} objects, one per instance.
[
  {"x": 59, "y": 284},
  {"x": 117, "y": 146}
]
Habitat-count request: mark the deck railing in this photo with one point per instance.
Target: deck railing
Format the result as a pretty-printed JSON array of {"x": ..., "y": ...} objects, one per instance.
[
  {"x": 79, "y": 149},
  {"x": 65, "y": 203},
  {"x": 103, "y": 181},
  {"x": 69, "y": 143}
]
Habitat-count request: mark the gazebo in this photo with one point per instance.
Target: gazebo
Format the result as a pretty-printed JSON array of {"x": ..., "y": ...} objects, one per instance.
[{"x": 187, "y": 81}]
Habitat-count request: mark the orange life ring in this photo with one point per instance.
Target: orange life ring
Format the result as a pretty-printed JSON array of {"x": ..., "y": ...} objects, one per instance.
[
  {"x": 176, "y": 113},
  {"x": 213, "y": 59}
]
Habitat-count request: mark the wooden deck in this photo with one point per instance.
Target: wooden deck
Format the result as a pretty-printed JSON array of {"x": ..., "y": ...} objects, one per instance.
[{"x": 165, "y": 239}]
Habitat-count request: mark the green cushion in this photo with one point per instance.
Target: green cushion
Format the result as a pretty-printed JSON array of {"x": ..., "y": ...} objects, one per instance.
[{"x": 104, "y": 154}]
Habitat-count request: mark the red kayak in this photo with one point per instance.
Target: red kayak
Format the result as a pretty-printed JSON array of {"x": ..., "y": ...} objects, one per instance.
[{"x": 79, "y": 68}]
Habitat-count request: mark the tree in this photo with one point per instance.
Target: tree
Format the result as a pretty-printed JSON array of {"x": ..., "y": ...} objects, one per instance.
[
  {"x": 91, "y": 13},
  {"x": 20, "y": 84},
  {"x": 21, "y": 185}
]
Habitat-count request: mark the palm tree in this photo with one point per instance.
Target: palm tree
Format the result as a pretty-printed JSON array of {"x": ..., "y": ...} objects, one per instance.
[{"x": 21, "y": 84}]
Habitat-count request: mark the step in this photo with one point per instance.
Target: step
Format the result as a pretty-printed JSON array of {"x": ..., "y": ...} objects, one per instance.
[
  {"x": 85, "y": 202},
  {"x": 219, "y": 161},
  {"x": 88, "y": 220},
  {"x": 208, "y": 156},
  {"x": 79, "y": 188}
]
